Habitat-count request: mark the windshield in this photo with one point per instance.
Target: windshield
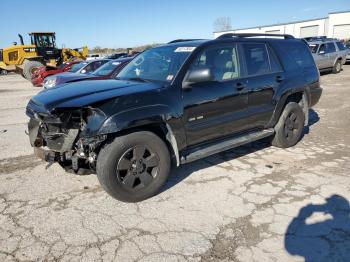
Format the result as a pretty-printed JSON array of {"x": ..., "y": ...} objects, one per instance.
[
  {"x": 157, "y": 64},
  {"x": 313, "y": 48},
  {"x": 76, "y": 67},
  {"x": 107, "y": 68}
]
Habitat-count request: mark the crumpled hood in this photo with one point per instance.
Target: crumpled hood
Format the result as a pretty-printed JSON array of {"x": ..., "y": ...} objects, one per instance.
[{"x": 79, "y": 94}]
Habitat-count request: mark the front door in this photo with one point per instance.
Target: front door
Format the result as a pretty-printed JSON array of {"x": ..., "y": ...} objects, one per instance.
[
  {"x": 217, "y": 108},
  {"x": 322, "y": 57}
]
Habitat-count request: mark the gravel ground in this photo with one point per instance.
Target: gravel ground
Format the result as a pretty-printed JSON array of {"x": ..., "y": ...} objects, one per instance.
[{"x": 254, "y": 203}]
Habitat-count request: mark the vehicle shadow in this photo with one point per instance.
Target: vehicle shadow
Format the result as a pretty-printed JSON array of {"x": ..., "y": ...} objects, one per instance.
[
  {"x": 313, "y": 119},
  {"x": 327, "y": 240},
  {"x": 182, "y": 172}
]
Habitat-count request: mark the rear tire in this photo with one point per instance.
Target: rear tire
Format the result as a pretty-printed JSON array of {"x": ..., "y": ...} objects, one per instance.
[
  {"x": 133, "y": 167},
  {"x": 337, "y": 67},
  {"x": 3, "y": 72},
  {"x": 289, "y": 129},
  {"x": 29, "y": 68}
]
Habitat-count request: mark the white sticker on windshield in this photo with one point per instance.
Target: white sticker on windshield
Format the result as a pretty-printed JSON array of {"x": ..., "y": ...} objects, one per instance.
[
  {"x": 185, "y": 49},
  {"x": 169, "y": 77}
]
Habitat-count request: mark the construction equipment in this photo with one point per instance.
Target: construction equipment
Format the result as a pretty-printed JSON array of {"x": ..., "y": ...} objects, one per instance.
[{"x": 26, "y": 59}]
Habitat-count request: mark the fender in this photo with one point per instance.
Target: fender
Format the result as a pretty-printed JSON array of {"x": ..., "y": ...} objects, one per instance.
[
  {"x": 157, "y": 114},
  {"x": 282, "y": 101}
]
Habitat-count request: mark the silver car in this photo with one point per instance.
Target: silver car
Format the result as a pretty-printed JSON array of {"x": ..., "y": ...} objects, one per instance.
[
  {"x": 347, "y": 44},
  {"x": 329, "y": 54}
]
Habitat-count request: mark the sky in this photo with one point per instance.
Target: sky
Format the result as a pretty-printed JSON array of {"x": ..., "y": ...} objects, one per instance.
[{"x": 115, "y": 23}]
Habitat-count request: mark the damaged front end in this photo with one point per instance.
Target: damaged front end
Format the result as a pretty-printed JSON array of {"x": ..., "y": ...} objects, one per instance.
[{"x": 67, "y": 136}]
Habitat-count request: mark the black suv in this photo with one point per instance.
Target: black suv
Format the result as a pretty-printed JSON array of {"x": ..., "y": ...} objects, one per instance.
[{"x": 174, "y": 104}]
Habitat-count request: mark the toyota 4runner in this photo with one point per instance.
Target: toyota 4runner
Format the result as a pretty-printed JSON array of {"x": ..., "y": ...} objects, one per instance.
[
  {"x": 174, "y": 104},
  {"x": 329, "y": 54}
]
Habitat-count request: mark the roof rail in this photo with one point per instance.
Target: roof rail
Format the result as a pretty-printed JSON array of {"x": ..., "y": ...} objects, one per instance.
[
  {"x": 229, "y": 35},
  {"x": 322, "y": 39},
  {"x": 181, "y": 40}
]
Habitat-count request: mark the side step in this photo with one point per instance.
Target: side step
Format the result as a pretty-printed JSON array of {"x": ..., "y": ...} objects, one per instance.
[{"x": 226, "y": 144}]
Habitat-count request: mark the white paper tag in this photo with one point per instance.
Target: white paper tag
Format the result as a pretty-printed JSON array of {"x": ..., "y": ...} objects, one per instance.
[{"x": 185, "y": 49}]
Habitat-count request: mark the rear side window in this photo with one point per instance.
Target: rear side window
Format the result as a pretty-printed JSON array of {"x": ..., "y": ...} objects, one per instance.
[
  {"x": 274, "y": 61},
  {"x": 298, "y": 52},
  {"x": 256, "y": 58},
  {"x": 330, "y": 47},
  {"x": 341, "y": 46}
]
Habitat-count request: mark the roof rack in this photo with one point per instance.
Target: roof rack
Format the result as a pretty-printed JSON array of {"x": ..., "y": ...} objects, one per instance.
[
  {"x": 229, "y": 35},
  {"x": 181, "y": 40}
]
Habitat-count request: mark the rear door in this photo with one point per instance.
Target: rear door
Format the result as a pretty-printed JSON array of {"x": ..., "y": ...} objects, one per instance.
[
  {"x": 331, "y": 54},
  {"x": 264, "y": 75},
  {"x": 217, "y": 108}
]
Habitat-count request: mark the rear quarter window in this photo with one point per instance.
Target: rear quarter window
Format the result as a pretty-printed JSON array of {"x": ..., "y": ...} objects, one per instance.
[
  {"x": 295, "y": 54},
  {"x": 341, "y": 46}
]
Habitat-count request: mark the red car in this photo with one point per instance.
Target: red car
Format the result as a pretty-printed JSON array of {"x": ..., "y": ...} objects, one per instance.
[{"x": 45, "y": 71}]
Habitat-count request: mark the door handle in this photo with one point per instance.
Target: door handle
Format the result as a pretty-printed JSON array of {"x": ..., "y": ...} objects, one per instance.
[
  {"x": 240, "y": 86},
  {"x": 279, "y": 79}
]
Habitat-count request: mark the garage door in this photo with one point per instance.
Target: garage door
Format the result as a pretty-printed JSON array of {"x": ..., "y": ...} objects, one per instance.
[
  {"x": 308, "y": 31},
  {"x": 341, "y": 31},
  {"x": 273, "y": 32}
]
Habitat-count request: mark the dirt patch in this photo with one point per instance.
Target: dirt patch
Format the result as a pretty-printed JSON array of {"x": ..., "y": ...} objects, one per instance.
[
  {"x": 10, "y": 165},
  {"x": 230, "y": 237}
]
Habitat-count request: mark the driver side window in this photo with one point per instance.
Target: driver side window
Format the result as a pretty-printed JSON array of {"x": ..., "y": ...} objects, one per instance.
[
  {"x": 223, "y": 62},
  {"x": 322, "y": 48}
]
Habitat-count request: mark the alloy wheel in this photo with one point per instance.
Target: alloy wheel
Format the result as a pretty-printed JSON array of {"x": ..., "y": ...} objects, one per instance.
[
  {"x": 137, "y": 167},
  {"x": 291, "y": 126}
]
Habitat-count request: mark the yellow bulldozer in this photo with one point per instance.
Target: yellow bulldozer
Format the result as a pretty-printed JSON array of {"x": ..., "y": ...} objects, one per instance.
[{"x": 26, "y": 59}]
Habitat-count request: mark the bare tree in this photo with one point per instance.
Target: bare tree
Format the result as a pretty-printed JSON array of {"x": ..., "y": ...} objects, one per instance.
[{"x": 222, "y": 24}]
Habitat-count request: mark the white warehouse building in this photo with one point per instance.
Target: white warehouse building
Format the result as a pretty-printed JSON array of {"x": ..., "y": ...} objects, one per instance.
[{"x": 336, "y": 25}]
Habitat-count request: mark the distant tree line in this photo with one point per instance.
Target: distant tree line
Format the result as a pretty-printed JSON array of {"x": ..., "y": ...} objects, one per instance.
[{"x": 104, "y": 50}]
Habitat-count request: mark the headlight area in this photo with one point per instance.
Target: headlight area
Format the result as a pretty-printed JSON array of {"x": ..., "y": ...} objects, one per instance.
[
  {"x": 67, "y": 136},
  {"x": 50, "y": 83}
]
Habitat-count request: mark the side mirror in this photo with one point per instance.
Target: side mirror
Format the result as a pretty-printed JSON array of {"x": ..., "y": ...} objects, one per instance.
[
  {"x": 83, "y": 71},
  {"x": 322, "y": 52},
  {"x": 199, "y": 75}
]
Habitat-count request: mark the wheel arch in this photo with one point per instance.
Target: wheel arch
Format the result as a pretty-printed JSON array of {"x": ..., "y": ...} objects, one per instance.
[
  {"x": 161, "y": 129},
  {"x": 153, "y": 118},
  {"x": 298, "y": 96}
]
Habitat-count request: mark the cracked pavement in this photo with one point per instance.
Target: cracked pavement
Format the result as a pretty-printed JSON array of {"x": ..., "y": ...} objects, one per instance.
[{"x": 253, "y": 203}]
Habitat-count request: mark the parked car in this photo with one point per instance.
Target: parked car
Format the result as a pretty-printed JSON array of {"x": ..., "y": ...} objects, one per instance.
[
  {"x": 116, "y": 55},
  {"x": 174, "y": 104},
  {"x": 85, "y": 67},
  {"x": 329, "y": 54},
  {"x": 93, "y": 57},
  {"x": 347, "y": 45},
  {"x": 108, "y": 70},
  {"x": 45, "y": 71}
]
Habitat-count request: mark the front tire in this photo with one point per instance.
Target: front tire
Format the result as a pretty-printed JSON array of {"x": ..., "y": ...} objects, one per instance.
[
  {"x": 337, "y": 67},
  {"x": 289, "y": 129},
  {"x": 133, "y": 167},
  {"x": 29, "y": 68}
]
